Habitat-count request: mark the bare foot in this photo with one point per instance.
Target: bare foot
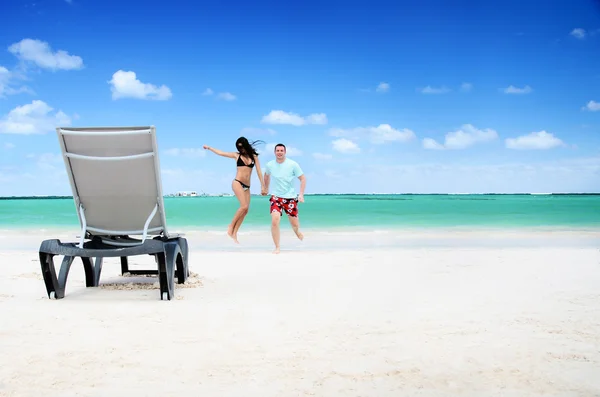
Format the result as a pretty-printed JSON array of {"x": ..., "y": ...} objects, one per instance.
[
  {"x": 233, "y": 236},
  {"x": 298, "y": 234},
  {"x": 276, "y": 251}
]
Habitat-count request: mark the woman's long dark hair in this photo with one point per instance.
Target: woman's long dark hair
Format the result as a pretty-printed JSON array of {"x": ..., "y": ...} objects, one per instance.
[{"x": 246, "y": 148}]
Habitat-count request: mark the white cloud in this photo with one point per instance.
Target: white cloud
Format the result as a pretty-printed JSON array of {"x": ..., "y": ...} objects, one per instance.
[
  {"x": 378, "y": 135},
  {"x": 290, "y": 150},
  {"x": 511, "y": 89},
  {"x": 429, "y": 143},
  {"x": 124, "y": 84},
  {"x": 34, "y": 118},
  {"x": 316, "y": 118},
  {"x": 541, "y": 140},
  {"x": 257, "y": 131},
  {"x": 344, "y": 145},
  {"x": 186, "y": 152},
  {"x": 466, "y": 87},
  {"x": 578, "y": 33},
  {"x": 463, "y": 138},
  {"x": 434, "y": 90},
  {"x": 226, "y": 96},
  {"x": 385, "y": 133},
  {"x": 383, "y": 87},
  {"x": 9, "y": 145},
  {"x": 7, "y": 80},
  {"x": 592, "y": 106},
  {"x": 322, "y": 156},
  {"x": 4, "y": 90},
  {"x": 4, "y": 79},
  {"x": 281, "y": 117},
  {"x": 40, "y": 53}
]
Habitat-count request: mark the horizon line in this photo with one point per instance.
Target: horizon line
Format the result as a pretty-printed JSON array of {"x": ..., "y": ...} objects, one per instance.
[{"x": 171, "y": 195}]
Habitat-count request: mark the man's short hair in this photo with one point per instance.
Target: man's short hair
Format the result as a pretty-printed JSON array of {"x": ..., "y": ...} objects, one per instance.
[{"x": 282, "y": 145}]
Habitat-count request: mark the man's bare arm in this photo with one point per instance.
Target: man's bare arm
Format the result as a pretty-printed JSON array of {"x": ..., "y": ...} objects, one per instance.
[{"x": 302, "y": 185}]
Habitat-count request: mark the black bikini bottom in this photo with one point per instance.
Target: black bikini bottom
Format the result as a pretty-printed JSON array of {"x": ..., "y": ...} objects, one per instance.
[{"x": 246, "y": 187}]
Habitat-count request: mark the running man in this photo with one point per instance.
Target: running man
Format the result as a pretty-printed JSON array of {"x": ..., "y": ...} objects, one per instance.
[{"x": 283, "y": 195}]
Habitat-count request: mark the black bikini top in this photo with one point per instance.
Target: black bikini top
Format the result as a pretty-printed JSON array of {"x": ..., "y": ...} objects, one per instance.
[{"x": 240, "y": 163}]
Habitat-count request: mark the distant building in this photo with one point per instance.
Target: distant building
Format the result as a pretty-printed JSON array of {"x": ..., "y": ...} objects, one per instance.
[{"x": 186, "y": 194}]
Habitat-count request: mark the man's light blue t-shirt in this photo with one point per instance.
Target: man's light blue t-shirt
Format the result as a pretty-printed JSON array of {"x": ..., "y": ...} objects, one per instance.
[{"x": 283, "y": 176}]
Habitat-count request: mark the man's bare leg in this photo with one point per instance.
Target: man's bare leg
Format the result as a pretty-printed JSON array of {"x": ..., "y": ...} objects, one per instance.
[
  {"x": 295, "y": 222},
  {"x": 275, "y": 218}
]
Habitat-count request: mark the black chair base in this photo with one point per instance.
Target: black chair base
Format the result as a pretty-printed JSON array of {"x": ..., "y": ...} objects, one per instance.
[{"x": 171, "y": 258}]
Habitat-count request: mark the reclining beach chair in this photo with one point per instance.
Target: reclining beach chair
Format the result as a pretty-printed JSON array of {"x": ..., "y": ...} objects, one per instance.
[{"x": 115, "y": 178}]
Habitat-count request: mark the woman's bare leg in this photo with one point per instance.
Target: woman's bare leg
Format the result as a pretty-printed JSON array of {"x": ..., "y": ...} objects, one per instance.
[{"x": 240, "y": 213}]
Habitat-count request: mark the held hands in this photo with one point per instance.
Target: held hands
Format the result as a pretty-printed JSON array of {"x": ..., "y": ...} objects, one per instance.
[
  {"x": 301, "y": 197},
  {"x": 264, "y": 191}
]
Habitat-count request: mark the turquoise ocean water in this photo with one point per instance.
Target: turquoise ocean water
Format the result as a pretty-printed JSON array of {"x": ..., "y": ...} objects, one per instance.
[{"x": 342, "y": 212}]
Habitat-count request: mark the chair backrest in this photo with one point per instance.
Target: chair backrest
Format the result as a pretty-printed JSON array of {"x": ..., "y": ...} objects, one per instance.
[{"x": 115, "y": 178}]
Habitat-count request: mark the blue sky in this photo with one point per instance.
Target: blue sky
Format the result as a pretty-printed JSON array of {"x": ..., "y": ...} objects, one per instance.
[{"x": 369, "y": 96}]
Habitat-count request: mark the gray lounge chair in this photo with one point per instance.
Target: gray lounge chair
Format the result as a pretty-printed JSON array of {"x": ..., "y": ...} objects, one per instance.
[{"x": 115, "y": 179}]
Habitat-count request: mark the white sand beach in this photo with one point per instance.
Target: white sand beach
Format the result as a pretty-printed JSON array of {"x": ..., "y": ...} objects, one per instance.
[{"x": 335, "y": 315}]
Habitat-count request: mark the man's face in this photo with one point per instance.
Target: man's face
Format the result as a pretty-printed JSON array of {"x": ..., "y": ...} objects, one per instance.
[{"x": 280, "y": 152}]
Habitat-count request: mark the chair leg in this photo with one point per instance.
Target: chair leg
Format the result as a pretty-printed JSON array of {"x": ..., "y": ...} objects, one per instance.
[
  {"x": 124, "y": 265},
  {"x": 49, "y": 274},
  {"x": 55, "y": 286},
  {"x": 95, "y": 271},
  {"x": 162, "y": 274},
  {"x": 164, "y": 280},
  {"x": 167, "y": 262},
  {"x": 183, "y": 270}
]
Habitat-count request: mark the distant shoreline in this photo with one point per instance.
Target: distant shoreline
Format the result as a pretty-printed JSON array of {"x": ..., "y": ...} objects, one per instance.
[
  {"x": 347, "y": 230},
  {"x": 327, "y": 194}
]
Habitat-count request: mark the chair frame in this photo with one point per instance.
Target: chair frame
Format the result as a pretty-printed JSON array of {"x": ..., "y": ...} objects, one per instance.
[{"x": 170, "y": 250}]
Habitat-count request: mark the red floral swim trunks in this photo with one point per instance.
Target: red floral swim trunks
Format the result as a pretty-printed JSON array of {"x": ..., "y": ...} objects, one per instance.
[{"x": 281, "y": 205}]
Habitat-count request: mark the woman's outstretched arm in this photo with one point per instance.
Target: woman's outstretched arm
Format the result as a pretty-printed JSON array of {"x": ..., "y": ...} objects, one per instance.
[{"x": 220, "y": 152}]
